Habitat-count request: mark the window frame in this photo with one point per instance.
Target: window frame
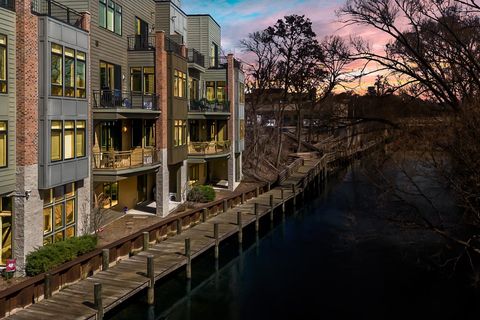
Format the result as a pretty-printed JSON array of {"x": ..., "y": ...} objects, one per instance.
[
  {"x": 75, "y": 131},
  {"x": 179, "y": 84},
  {"x": 54, "y": 202},
  {"x": 116, "y": 26},
  {"x": 5, "y": 47},
  {"x": 5, "y": 132},
  {"x": 78, "y": 91}
]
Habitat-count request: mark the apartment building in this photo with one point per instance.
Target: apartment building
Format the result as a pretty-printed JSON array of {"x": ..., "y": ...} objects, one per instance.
[
  {"x": 109, "y": 104},
  {"x": 44, "y": 117}
]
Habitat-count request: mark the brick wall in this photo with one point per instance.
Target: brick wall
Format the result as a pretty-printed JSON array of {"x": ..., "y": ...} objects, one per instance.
[{"x": 27, "y": 85}]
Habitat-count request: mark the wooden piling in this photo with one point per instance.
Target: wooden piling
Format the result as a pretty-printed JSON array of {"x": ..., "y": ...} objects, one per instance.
[
  {"x": 179, "y": 226},
  {"x": 240, "y": 227},
  {"x": 97, "y": 297},
  {"x": 217, "y": 240},
  {"x": 282, "y": 194},
  {"x": 146, "y": 241},
  {"x": 105, "y": 259},
  {"x": 188, "y": 254},
  {"x": 204, "y": 215},
  {"x": 151, "y": 277},
  {"x": 47, "y": 286},
  {"x": 225, "y": 205},
  {"x": 257, "y": 218},
  {"x": 257, "y": 192},
  {"x": 243, "y": 198},
  {"x": 271, "y": 207}
]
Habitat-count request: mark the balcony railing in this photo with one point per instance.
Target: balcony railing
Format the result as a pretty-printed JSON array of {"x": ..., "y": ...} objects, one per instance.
[
  {"x": 118, "y": 160},
  {"x": 141, "y": 43},
  {"x": 8, "y": 4},
  {"x": 209, "y": 148},
  {"x": 116, "y": 99},
  {"x": 196, "y": 57},
  {"x": 172, "y": 46},
  {"x": 209, "y": 106},
  {"x": 57, "y": 11},
  {"x": 222, "y": 63}
]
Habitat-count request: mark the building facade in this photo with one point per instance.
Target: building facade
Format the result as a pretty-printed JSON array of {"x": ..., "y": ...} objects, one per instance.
[{"x": 110, "y": 105}]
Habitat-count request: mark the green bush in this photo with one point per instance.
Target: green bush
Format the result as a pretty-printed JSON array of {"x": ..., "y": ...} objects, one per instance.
[
  {"x": 52, "y": 255},
  {"x": 202, "y": 194}
]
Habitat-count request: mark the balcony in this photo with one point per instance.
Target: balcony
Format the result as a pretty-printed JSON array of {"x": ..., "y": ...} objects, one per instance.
[
  {"x": 141, "y": 43},
  {"x": 133, "y": 160},
  {"x": 55, "y": 10},
  {"x": 172, "y": 46},
  {"x": 205, "y": 106},
  {"x": 116, "y": 99},
  {"x": 196, "y": 57},
  {"x": 222, "y": 63},
  {"x": 209, "y": 148},
  {"x": 8, "y": 4}
]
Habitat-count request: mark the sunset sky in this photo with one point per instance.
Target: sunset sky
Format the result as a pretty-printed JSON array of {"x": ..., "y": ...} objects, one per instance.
[{"x": 238, "y": 18}]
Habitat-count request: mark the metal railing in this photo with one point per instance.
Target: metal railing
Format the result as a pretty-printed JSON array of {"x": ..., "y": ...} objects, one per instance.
[
  {"x": 117, "y": 99},
  {"x": 209, "y": 106},
  {"x": 172, "y": 46},
  {"x": 57, "y": 11},
  {"x": 8, "y": 4},
  {"x": 115, "y": 160},
  {"x": 196, "y": 57},
  {"x": 141, "y": 43},
  {"x": 209, "y": 147}
]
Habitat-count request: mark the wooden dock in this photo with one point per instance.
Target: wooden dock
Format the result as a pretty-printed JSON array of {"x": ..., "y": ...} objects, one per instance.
[{"x": 92, "y": 297}]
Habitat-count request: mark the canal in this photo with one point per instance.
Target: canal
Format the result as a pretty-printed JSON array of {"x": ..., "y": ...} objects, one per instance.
[{"x": 336, "y": 258}]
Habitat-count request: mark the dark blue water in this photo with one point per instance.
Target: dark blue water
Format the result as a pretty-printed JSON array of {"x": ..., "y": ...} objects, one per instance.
[{"x": 337, "y": 258}]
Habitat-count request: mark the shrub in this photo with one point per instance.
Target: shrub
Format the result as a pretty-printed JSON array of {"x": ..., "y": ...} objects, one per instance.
[
  {"x": 52, "y": 255},
  {"x": 202, "y": 194}
]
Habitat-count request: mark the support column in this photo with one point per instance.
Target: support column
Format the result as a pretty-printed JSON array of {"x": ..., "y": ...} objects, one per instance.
[
  {"x": 161, "y": 89},
  {"x": 230, "y": 75}
]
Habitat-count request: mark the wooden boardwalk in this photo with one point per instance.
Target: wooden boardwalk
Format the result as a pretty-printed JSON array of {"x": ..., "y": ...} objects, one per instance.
[{"x": 126, "y": 278}]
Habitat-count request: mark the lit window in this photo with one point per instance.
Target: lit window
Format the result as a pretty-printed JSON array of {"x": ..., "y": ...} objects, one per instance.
[
  {"x": 211, "y": 90},
  {"x": 180, "y": 133},
  {"x": 81, "y": 71},
  {"x": 221, "y": 91},
  {"x": 81, "y": 139},
  {"x": 149, "y": 80},
  {"x": 3, "y": 64},
  {"x": 69, "y": 72},
  {"x": 56, "y": 141},
  {"x": 59, "y": 213},
  {"x": 69, "y": 140},
  {"x": 57, "y": 70},
  {"x": 3, "y": 144},
  {"x": 180, "y": 84},
  {"x": 6, "y": 225},
  {"x": 110, "y": 193}
]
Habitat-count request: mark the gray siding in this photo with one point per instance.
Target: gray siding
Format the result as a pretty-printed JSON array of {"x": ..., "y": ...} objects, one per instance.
[
  {"x": 178, "y": 26},
  {"x": 8, "y": 101},
  {"x": 202, "y": 31},
  {"x": 59, "y": 108}
]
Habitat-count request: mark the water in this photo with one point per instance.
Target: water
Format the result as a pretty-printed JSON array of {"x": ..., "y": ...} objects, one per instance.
[{"x": 337, "y": 258}]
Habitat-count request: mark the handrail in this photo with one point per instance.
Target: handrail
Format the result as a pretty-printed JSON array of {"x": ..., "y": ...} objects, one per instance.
[
  {"x": 141, "y": 43},
  {"x": 209, "y": 147},
  {"x": 32, "y": 289},
  {"x": 209, "y": 106},
  {"x": 57, "y": 11},
  {"x": 114, "y": 160},
  {"x": 117, "y": 99},
  {"x": 172, "y": 46},
  {"x": 196, "y": 57}
]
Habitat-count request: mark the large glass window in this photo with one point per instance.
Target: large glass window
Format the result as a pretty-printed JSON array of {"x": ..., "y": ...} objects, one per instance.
[
  {"x": 6, "y": 225},
  {"x": 110, "y": 16},
  {"x": 81, "y": 139},
  {"x": 56, "y": 72},
  {"x": 180, "y": 84},
  {"x": 136, "y": 79},
  {"x": 213, "y": 55},
  {"x": 110, "y": 193},
  {"x": 81, "y": 71},
  {"x": 211, "y": 90},
  {"x": 56, "y": 141},
  {"x": 180, "y": 133},
  {"x": 3, "y": 144},
  {"x": 3, "y": 64},
  {"x": 67, "y": 139},
  {"x": 59, "y": 213},
  {"x": 221, "y": 91},
  {"x": 149, "y": 80},
  {"x": 68, "y": 71}
]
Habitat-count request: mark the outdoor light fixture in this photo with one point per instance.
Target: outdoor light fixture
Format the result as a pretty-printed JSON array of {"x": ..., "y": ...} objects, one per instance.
[
  {"x": 124, "y": 129},
  {"x": 25, "y": 195}
]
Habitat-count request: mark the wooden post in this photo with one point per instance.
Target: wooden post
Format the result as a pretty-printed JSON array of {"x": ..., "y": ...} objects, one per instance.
[
  {"x": 269, "y": 186},
  {"x": 271, "y": 207},
  {"x": 282, "y": 193},
  {"x": 146, "y": 240},
  {"x": 204, "y": 215},
  {"x": 225, "y": 205},
  {"x": 240, "y": 227},
  {"x": 188, "y": 254},
  {"x": 105, "y": 259},
  {"x": 97, "y": 297},
  {"x": 151, "y": 277},
  {"x": 243, "y": 198},
  {"x": 257, "y": 192},
  {"x": 179, "y": 226},
  {"x": 257, "y": 218},
  {"x": 47, "y": 286},
  {"x": 217, "y": 241}
]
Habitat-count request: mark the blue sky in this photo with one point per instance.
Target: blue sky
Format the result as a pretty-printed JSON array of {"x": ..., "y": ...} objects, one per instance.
[{"x": 238, "y": 18}]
